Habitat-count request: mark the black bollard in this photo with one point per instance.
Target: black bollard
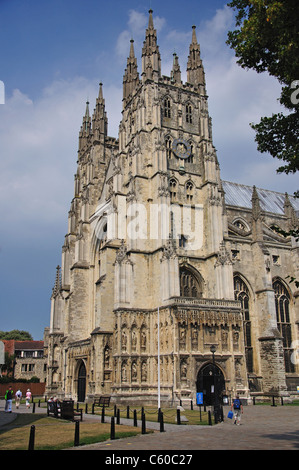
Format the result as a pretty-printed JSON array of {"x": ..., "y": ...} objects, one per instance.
[
  {"x": 77, "y": 433},
  {"x": 112, "y": 430},
  {"x": 103, "y": 415},
  {"x": 33, "y": 408},
  {"x": 86, "y": 408},
  {"x": 92, "y": 409},
  {"x": 31, "y": 438},
  {"x": 128, "y": 412},
  {"x": 159, "y": 414},
  {"x": 210, "y": 419},
  {"x": 135, "y": 419},
  {"x": 161, "y": 422},
  {"x": 118, "y": 416},
  {"x": 143, "y": 430},
  {"x": 178, "y": 416}
]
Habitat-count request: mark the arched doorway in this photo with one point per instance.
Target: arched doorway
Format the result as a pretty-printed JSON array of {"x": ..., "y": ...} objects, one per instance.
[
  {"x": 210, "y": 379},
  {"x": 81, "y": 382}
]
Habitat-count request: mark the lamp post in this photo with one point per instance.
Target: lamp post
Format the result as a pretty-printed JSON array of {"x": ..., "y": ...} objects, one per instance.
[{"x": 213, "y": 350}]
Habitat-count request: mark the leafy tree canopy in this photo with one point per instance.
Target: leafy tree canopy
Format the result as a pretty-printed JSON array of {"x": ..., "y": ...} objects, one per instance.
[
  {"x": 267, "y": 39},
  {"x": 18, "y": 335}
]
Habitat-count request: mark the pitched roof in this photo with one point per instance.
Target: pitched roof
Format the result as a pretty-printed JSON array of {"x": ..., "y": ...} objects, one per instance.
[
  {"x": 240, "y": 195},
  {"x": 29, "y": 345}
]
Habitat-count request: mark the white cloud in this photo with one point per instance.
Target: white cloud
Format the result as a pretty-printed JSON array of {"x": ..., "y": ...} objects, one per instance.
[
  {"x": 136, "y": 26},
  {"x": 39, "y": 143}
]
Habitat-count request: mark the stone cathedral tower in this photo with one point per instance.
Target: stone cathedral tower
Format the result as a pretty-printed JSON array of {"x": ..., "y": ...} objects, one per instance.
[{"x": 154, "y": 234}]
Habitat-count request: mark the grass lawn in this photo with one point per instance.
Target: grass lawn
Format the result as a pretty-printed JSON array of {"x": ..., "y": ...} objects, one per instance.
[{"x": 56, "y": 434}]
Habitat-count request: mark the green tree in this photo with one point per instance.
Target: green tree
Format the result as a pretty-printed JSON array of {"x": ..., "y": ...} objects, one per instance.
[
  {"x": 9, "y": 364},
  {"x": 18, "y": 335},
  {"x": 267, "y": 39}
]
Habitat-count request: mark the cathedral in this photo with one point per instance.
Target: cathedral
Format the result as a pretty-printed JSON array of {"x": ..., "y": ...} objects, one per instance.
[{"x": 172, "y": 281}]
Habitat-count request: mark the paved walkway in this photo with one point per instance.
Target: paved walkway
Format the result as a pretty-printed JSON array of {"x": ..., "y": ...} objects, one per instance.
[{"x": 262, "y": 428}]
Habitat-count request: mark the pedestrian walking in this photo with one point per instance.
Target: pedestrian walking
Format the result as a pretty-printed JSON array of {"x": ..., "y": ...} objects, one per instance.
[
  {"x": 18, "y": 397},
  {"x": 238, "y": 410},
  {"x": 8, "y": 399},
  {"x": 28, "y": 397}
]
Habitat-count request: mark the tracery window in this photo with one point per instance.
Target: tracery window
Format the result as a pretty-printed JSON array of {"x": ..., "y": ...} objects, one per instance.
[
  {"x": 189, "y": 191},
  {"x": 189, "y": 284},
  {"x": 167, "y": 111},
  {"x": 190, "y": 158},
  {"x": 242, "y": 295},
  {"x": 189, "y": 113},
  {"x": 168, "y": 144},
  {"x": 172, "y": 189},
  {"x": 282, "y": 304}
]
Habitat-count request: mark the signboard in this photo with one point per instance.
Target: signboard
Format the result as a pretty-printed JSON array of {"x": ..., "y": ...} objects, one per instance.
[
  {"x": 199, "y": 398},
  {"x": 2, "y": 355}
]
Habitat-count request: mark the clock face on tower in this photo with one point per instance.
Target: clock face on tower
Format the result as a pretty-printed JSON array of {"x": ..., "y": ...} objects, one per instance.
[{"x": 181, "y": 148}]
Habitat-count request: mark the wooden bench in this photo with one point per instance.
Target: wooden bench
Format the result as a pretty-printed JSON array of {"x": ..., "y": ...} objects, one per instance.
[
  {"x": 102, "y": 401},
  {"x": 68, "y": 411}
]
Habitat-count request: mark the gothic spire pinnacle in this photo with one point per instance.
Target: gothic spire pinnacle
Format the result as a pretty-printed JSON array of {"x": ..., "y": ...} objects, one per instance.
[
  {"x": 195, "y": 71},
  {"x": 99, "y": 117},
  {"x": 131, "y": 76},
  {"x": 132, "y": 52},
  {"x": 100, "y": 91},
  {"x": 176, "y": 71},
  {"x": 86, "y": 124},
  {"x": 194, "y": 38},
  {"x": 151, "y": 60},
  {"x": 57, "y": 284},
  {"x": 150, "y": 20},
  {"x": 87, "y": 110},
  {"x": 257, "y": 228}
]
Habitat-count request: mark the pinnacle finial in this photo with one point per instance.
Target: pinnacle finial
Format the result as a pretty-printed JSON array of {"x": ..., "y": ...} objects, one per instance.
[
  {"x": 150, "y": 20},
  {"x": 194, "y": 38},
  {"x": 132, "y": 52},
  {"x": 100, "y": 97}
]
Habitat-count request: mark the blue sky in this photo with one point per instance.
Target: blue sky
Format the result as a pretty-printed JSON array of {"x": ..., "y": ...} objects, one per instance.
[{"x": 53, "y": 55}]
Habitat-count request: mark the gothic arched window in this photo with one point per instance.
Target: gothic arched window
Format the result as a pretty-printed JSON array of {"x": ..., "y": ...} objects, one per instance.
[
  {"x": 190, "y": 158},
  {"x": 189, "y": 113},
  {"x": 242, "y": 295},
  {"x": 166, "y": 104},
  {"x": 168, "y": 144},
  {"x": 189, "y": 284},
  {"x": 172, "y": 189},
  {"x": 282, "y": 304},
  {"x": 189, "y": 191}
]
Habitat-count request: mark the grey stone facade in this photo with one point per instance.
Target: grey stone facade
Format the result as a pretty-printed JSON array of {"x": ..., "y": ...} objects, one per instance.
[{"x": 157, "y": 239}]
